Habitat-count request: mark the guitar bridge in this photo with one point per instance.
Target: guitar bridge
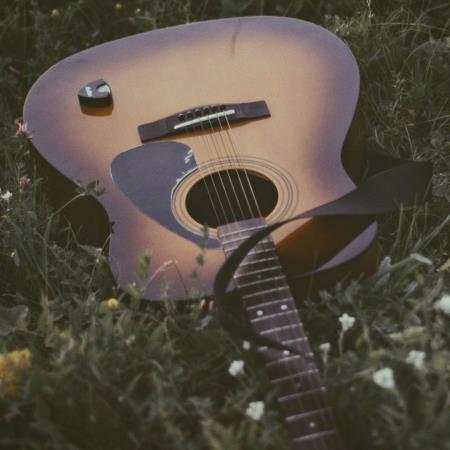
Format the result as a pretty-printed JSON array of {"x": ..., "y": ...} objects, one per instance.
[{"x": 210, "y": 116}]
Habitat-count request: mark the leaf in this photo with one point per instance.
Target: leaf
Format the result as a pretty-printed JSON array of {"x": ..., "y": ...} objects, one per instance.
[
  {"x": 444, "y": 267},
  {"x": 89, "y": 188},
  {"x": 422, "y": 259},
  {"x": 16, "y": 258},
  {"x": 9, "y": 318},
  {"x": 204, "y": 322}
]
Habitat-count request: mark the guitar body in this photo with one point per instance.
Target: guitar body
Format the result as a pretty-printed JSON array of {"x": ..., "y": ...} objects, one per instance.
[{"x": 307, "y": 77}]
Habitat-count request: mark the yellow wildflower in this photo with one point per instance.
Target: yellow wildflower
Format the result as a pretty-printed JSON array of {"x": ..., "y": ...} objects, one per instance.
[
  {"x": 54, "y": 13},
  {"x": 13, "y": 366},
  {"x": 112, "y": 303}
]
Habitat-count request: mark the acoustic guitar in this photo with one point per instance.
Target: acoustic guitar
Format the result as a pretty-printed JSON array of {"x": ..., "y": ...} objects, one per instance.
[{"x": 201, "y": 134}]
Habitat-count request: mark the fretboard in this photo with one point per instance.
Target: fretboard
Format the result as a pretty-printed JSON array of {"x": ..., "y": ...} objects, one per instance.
[{"x": 272, "y": 312}]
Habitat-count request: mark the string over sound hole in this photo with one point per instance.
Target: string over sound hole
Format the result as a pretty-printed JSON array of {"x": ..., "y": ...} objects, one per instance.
[{"x": 229, "y": 196}]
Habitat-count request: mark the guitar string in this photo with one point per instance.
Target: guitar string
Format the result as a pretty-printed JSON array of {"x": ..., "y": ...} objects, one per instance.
[
  {"x": 210, "y": 171},
  {"x": 231, "y": 208},
  {"x": 322, "y": 401},
  {"x": 230, "y": 162},
  {"x": 227, "y": 170},
  {"x": 315, "y": 442},
  {"x": 219, "y": 174},
  {"x": 233, "y": 143},
  {"x": 236, "y": 161},
  {"x": 211, "y": 177},
  {"x": 264, "y": 297},
  {"x": 205, "y": 182}
]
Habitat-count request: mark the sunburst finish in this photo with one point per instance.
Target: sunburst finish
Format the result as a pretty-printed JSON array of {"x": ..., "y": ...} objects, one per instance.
[{"x": 310, "y": 82}]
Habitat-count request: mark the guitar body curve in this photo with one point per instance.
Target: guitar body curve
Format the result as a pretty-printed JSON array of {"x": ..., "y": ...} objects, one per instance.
[{"x": 310, "y": 83}]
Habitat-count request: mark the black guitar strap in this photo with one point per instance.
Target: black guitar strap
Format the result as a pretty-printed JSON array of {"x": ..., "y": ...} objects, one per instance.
[{"x": 394, "y": 184}]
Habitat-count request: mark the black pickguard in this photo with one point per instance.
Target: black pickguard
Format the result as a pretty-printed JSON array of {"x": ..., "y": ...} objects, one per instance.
[{"x": 147, "y": 176}]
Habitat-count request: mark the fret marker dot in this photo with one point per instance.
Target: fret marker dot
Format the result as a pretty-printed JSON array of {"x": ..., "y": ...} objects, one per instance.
[
  {"x": 286, "y": 352},
  {"x": 312, "y": 424},
  {"x": 259, "y": 312},
  {"x": 283, "y": 307}
]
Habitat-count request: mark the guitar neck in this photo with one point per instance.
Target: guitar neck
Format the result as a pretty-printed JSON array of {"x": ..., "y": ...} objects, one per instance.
[{"x": 272, "y": 312}]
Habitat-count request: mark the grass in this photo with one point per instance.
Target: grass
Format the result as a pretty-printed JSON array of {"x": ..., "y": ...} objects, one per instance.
[{"x": 126, "y": 376}]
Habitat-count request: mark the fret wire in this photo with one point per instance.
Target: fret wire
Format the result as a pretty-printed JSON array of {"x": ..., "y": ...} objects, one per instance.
[
  {"x": 314, "y": 436},
  {"x": 267, "y": 291},
  {"x": 284, "y": 327},
  {"x": 271, "y": 316},
  {"x": 264, "y": 348},
  {"x": 306, "y": 414},
  {"x": 243, "y": 230},
  {"x": 255, "y": 272},
  {"x": 304, "y": 393},
  {"x": 248, "y": 263},
  {"x": 267, "y": 280},
  {"x": 272, "y": 302},
  {"x": 307, "y": 379},
  {"x": 287, "y": 377},
  {"x": 231, "y": 248},
  {"x": 265, "y": 241},
  {"x": 289, "y": 358},
  {"x": 300, "y": 373},
  {"x": 252, "y": 252},
  {"x": 242, "y": 238}
]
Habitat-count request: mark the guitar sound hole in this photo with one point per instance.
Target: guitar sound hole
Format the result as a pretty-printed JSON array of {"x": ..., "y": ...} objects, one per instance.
[{"x": 230, "y": 196}]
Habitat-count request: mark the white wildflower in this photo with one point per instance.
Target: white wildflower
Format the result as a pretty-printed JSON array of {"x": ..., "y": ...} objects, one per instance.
[
  {"x": 325, "y": 349},
  {"x": 416, "y": 358},
  {"x": 246, "y": 345},
  {"x": 255, "y": 410},
  {"x": 325, "y": 295},
  {"x": 236, "y": 368},
  {"x": 6, "y": 196},
  {"x": 347, "y": 321},
  {"x": 422, "y": 259},
  {"x": 385, "y": 264},
  {"x": 443, "y": 304},
  {"x": 384, "y": 378}
]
